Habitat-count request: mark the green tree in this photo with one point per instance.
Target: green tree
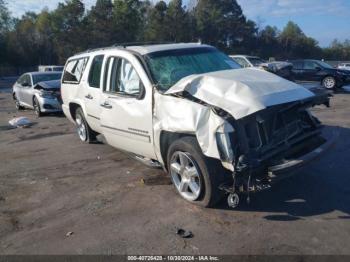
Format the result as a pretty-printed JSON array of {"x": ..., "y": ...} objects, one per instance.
[
  {"x": 23, "y": 48},
  {"x": 268, "y": 42},
  {"x": 177, "y": 22},
  {"x": 222, "y": 23},
  {"x": 5, "y": 21},
  {"x": 127, "y": 20},
  {"x": 155, "y": 29},
  {"x": 295, "y": 44},
  {"x": 100, "y": 24},
  {"x": 44, "y": 38},
  {"x": 69, "y": 27}
]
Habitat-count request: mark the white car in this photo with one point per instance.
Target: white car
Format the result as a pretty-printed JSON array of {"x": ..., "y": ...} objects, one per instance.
[
  {"x": 345, "y": 66},
  {"x": 248, "y": 61},
  {"x": 39, "y": 91},
  {"x": 214, "y": 127}
]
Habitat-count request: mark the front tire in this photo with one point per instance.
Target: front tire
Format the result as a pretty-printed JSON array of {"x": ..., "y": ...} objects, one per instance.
[
  {"x": 85, "y": 133},
  {"x": 196, "y": 177},
  {"x": 36, "y": 107},
  {"x": 329, "y": 82}
]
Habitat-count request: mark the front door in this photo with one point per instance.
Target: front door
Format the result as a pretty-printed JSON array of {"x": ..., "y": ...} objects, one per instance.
[
  {"x": 126, "y": 107},
  {"x": 311, "y": 71}
]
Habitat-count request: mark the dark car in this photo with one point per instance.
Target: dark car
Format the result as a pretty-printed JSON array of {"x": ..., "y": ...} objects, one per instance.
[{"x": 308, "y": 70}]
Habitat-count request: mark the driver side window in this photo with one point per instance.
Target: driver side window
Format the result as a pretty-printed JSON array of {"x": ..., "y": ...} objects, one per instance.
[
  {"x": 25, "y": 81},
  {"x": 121, "y": 77},
  {"x": 310, "y": 65}
]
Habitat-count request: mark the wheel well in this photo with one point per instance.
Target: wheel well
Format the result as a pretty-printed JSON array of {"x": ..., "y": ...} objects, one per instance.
[
  {"x": 73, "y": 108},
  {"x": 33, "y": 100},
  {"x": 328, "y": 76},
  {"x": 166, "y": 139}
]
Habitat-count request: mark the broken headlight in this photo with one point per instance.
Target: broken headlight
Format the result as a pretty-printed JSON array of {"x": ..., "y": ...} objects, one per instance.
[
  {"x": 224, "y": 136},
  {"x": 47, "y": 94}
]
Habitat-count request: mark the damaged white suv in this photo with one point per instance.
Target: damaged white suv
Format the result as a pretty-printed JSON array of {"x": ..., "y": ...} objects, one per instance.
[{"x": 214, "y": 127}]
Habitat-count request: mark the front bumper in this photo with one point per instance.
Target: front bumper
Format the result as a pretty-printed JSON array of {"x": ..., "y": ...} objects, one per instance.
[
  {"x": 294, "y": 166},
  {"x": 49, "y": 105}
]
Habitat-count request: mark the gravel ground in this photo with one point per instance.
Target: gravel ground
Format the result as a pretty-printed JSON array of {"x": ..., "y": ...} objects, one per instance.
[{"x": 51, "y": 184}]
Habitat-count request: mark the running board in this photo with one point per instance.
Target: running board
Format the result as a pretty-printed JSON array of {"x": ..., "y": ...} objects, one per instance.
[{"x": 146, "y": 161}]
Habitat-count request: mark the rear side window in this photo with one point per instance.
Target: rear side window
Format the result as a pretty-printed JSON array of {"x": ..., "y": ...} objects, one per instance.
[
  {"x": 95, "y": 71},
  {"x": 74, "y": 70}
]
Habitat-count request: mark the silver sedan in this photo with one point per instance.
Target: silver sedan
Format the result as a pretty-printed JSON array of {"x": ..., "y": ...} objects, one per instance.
[{"x": 39, "y": 91}]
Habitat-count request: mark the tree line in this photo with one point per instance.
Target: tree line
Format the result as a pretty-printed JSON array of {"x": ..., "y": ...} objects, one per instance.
[{"x": 49, "y": 37}]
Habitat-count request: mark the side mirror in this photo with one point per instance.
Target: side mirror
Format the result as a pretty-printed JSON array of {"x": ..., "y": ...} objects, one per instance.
[
  {"x": 25, "y": 84},
  {"x": 142, "y": 91},
  {"x": 318, "y": 68}
]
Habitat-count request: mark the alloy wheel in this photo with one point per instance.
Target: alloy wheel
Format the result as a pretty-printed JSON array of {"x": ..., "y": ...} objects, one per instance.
[
  {"x": 185, "y": 175},
  {"x": 329, "y": 82},
  {"x": 81, "y": 128}
]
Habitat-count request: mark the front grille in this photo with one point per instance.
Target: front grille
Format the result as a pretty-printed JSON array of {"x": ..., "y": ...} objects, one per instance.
[{"x": 272, "y": 128}]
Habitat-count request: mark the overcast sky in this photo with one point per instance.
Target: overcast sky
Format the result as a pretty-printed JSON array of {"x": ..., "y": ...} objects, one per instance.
[{"x": 324, "y": 20}]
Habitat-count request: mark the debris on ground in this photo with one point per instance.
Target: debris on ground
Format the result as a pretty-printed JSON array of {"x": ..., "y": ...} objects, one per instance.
[
  {"x": 69, "y": 233},
  {"x": 20, "y": 122},
  {"x": 184, "y": 233}
]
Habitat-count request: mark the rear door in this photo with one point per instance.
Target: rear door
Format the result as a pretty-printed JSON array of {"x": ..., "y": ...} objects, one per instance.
[
  {"x": 298, "y": 70},
  {"x": 27, "y": 91},
  {"x": 18, "y": 87},
  {"x": 126, "y": 106},
  {"x": 92, "y": 92}
]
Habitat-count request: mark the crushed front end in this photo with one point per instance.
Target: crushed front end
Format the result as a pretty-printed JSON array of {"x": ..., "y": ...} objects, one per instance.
[{"x": 273, "y": 137}]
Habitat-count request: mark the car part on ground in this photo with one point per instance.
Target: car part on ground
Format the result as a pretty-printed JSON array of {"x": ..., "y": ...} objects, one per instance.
[{"x": 20, "y": 122}]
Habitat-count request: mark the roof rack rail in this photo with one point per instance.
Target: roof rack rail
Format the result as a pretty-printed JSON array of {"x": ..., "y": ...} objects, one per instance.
[
  {"x": 95, "y": 49},
  {"x": 142, "y": 43}
]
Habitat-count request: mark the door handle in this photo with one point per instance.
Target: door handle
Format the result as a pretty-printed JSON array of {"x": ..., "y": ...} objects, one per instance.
[
  {"x": 106, "y": 105},
  {"x": 89, "y": 97}
]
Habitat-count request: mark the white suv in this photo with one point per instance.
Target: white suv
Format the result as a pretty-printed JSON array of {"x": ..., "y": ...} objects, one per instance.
[{"x": 214, "y": 127}]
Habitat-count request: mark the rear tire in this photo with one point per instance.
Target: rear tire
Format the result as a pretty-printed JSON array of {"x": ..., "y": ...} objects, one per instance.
[
  {"x": 196, "y": 177},
  {"x": 85, "y": 133},
  {"x": 329, "y": 82},
  {"x": 17, "y": 103}
]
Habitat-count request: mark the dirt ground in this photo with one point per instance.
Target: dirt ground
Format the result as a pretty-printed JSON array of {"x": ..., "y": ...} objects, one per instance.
[{"x": 52, "y": 184}]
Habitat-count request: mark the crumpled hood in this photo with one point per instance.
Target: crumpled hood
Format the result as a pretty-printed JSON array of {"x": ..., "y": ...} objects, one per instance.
[
  {"x": 51, "y": 85},
  {"x": 241, "y": 92}
]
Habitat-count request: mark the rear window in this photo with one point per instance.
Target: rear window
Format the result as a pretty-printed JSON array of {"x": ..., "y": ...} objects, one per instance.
[{"x": 74, "y": 70}]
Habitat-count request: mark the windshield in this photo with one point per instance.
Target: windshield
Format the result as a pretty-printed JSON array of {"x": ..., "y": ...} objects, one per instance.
[
  {"x": 46, "y": 77},
  {"x": 256, "y": 61},
  {"x": 325, "y": 65},
  {"x": 168, "y": 67}
]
